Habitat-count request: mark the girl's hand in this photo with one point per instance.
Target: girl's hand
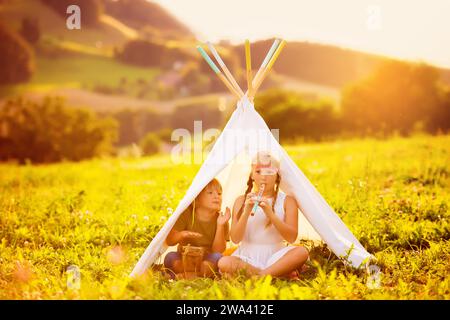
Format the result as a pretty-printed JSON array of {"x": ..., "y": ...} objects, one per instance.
[
  {"x": 222, "y": 219},
  {"x": 190, "y": 235},
  {"x": 249, "y": 202},
  {"x": 267, "y": 207}
]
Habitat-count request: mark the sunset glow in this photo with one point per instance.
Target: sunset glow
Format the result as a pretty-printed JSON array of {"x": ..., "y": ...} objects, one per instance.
[{"x": 414, "y": 30}]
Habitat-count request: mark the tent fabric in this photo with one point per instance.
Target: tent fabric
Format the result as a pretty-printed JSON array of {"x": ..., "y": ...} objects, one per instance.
[{"x": 245, "y": 134}]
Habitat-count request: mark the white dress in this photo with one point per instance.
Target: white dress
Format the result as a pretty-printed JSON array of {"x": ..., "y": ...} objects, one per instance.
[{"x": 263, "y": 246}]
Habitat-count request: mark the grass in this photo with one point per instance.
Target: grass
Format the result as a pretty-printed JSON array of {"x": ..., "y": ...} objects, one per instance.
[
  {"x": 84, "y": 71},
  {"x": 101, "y": 214}
]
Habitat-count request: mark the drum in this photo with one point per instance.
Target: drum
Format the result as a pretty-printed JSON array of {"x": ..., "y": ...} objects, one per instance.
[{"x": 192, "y": 257}]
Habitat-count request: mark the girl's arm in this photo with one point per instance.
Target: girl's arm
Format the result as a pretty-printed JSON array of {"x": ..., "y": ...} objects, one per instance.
[
  {"x": 238, "y": 224},
  {"x": 288, "y": 228}
]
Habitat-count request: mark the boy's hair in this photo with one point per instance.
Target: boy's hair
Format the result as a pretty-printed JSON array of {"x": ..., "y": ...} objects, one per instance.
[{"x": 214, "y": 183}]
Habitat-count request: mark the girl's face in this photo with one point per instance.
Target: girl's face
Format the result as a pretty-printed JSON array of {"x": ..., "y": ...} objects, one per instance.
[
  {"x": 261, "y": 176},
  {"x": 210, "y": 197}
]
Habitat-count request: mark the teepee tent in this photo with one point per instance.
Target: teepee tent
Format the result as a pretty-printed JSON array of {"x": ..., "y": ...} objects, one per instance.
[{"x": 245, "y": 134}]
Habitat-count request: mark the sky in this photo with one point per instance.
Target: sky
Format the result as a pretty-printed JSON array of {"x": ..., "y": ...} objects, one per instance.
[{"x": 415, "y": 30}]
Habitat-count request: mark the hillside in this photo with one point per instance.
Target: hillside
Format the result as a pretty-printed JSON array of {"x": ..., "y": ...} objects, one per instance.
[
  {"x": 321, "y": 64},
  {"x": 145, "y": 15},
  {"x": 80, "y": 64}
]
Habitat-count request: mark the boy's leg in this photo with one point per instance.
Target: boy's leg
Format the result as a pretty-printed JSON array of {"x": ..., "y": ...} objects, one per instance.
[
  {"x": 173, "y": 262},
  {"x": 209, "y": 264}
]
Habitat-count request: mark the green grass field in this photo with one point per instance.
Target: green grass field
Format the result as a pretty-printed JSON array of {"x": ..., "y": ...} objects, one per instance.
[
  {"x": 83, "y": 72},
  {"x": 100, "y": 215}
]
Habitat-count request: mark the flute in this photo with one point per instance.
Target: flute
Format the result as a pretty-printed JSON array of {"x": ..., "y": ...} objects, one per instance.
[{"x": 258, "y": 199}]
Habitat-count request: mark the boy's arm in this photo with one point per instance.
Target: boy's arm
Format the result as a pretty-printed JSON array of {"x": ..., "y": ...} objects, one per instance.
[
  {"x": 220, "y": 238},
  {"x": 220, "y": 242},
  {"x": 176, "y": 237}
]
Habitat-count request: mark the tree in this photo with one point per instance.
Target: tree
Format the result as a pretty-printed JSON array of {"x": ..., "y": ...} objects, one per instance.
[
  {"x": 150, "y": 144},
  {"x": 295, "y": 116},
  {"x": 148, "y": 53},
  {"x": 394, "y": 98},
  {"x": 17, "y": 58},
  {"x": 30, "y": 30}
]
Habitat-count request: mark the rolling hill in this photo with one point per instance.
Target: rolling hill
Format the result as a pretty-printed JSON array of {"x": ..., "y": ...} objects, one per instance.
[{"x": 74, "y": 62}]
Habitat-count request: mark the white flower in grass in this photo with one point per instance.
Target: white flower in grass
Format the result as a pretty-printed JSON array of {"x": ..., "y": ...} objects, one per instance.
[
  {"x": 127, "y": 222},
  {"x": 134, "y": 216},
  {"x": 146, "y": 218},
  {"x": 169, "y": 210}
]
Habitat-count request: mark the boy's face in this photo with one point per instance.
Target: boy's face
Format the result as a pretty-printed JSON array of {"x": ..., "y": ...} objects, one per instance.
[{"x": 210, "y": 198}]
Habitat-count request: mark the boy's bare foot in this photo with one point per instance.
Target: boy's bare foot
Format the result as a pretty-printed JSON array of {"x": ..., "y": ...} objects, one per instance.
[{"x": 187, "y": 275}]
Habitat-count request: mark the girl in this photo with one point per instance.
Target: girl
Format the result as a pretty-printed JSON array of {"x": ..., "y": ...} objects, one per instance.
[
  {"x": 201, "y": 225},
  {"x": 261, "y": 250}
]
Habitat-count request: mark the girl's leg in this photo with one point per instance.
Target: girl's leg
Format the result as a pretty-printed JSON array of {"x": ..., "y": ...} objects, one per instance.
[
  {"x": 230, "y": 264},
  {"x": 208, "y": 269},
  {"x": 292, "y": 260}
]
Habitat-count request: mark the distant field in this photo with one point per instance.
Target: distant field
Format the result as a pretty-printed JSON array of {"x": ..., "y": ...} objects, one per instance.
[
  {"x": 101, "y": 214},
  {"x": 83, "y": 72},
  {"x": 86, "y": 71}
]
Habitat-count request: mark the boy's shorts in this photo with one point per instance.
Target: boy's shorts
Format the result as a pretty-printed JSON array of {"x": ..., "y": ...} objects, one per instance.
[{"x": 171, "y": 257}]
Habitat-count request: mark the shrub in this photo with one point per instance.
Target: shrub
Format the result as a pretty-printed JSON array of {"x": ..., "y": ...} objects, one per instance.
[
  {"x": 49, "y": 131},
  {"x": 150, "y": 144}
]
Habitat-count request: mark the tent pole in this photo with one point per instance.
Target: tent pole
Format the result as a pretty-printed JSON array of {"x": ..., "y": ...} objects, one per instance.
[
  {"x": 264, "y": 64},
  {"x": 217, "y": 71},
  {"x": 248, "y": 64},
  {"x": 225, "y": 69},
  {"x": 269, "y": 66}
]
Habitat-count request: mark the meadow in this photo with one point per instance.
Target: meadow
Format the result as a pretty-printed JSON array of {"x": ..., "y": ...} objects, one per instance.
[{"x": 100, "y": 215}]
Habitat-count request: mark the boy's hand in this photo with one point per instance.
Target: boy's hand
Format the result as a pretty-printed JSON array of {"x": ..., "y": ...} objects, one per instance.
[
  {"x": 190, "y": 235},
  {"x": 222, "y": 219}
]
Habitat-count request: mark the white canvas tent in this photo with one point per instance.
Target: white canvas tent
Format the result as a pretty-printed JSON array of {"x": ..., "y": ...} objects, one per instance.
[{"x": 230, "y": 162}]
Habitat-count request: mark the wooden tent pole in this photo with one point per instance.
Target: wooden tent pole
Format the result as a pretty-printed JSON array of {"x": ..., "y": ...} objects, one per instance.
[
  {"x": 266, "y": 70},
  {"x": 248, "y": 64},
  {"x": 225, "y": 69},
  {"x": 263, "y": 65},
  {"x": 217, "y": 71}
]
